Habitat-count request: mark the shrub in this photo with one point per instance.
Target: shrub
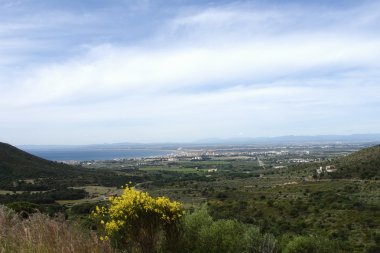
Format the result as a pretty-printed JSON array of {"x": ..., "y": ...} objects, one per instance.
[
  {"x": 24, "y": 209},
  {"x": 311, "y": 244},
  {"x": 202, "y": 234},
  {"x": 83, "y": 208},
  {"x": 136, "y": 220},
  {"x": 373, "y": 249}
]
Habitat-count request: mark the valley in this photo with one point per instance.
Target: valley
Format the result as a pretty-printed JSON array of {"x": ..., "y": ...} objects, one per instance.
[{"x": 277, "y": 189}]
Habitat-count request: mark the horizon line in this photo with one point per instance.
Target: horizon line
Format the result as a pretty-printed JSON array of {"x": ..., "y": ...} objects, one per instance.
[{"x": 213, "y": 140}]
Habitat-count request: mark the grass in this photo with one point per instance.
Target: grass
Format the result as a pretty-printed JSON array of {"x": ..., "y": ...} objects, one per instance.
[
  {"x": 96, "y": 193},
  {"x": 4, "y": 192},
  {"x": 39, "y": 233},
  {"x": 76, "y": 201},
  {"x": 175, "y": 169},
  {"x": 96, "y": 190}
]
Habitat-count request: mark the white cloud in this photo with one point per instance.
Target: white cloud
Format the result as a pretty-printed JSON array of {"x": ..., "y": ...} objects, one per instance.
[
  {"x": 228, "y": 70},
  {"x": 255, "y": 111},
  {"x": 111, "y": 70}
]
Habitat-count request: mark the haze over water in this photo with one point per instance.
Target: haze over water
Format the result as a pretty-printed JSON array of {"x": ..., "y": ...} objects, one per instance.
[{"x": 94, "y": 154}]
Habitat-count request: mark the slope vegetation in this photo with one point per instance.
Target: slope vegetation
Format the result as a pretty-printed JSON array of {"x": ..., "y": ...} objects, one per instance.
[
  {"x": 21, "y": 171},
  {"x": 17, "y": 164},
  {"x": 363, "y": 164}
]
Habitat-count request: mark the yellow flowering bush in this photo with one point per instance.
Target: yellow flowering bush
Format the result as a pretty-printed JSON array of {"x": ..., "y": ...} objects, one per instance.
[{"x": 136, "y": 217}]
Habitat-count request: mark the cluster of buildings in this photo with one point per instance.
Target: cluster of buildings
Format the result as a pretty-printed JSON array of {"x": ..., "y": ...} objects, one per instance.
[{"x": 326, "y": 169}]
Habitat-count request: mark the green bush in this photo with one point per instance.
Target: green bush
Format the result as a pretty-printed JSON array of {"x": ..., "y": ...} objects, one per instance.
[
  {"x": 202, "y": 234},
  {"x": 373, "y": 249},
  {"x": 24, "y": 208},
  {"x": 310, "y": 244}
]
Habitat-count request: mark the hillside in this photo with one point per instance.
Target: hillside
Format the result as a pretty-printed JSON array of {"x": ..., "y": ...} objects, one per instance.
[
  {"x": 363, "y": 164},
  {"x": 17, "y": 164},
  {"x": 22, "y": 171}
]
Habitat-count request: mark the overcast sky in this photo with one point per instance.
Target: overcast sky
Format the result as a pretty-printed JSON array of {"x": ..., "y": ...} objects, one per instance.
[{"x": 81, "y": 72}]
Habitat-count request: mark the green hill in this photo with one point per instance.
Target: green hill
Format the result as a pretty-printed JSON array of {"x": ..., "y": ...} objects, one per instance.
[
  {"x": 17, "y": 164},
  {"x": 22, "y": 171},
  {"x": 363, "y": 164}
]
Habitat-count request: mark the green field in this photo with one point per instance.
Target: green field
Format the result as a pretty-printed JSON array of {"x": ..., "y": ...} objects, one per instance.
[{"x": 163, "y": 168}]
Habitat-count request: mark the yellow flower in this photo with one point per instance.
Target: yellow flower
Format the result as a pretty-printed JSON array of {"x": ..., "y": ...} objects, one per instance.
[{"x": 133, "y": 207}]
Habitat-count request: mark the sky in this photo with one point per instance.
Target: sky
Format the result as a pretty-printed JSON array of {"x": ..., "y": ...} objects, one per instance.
[{"x": 95, "y": 71}]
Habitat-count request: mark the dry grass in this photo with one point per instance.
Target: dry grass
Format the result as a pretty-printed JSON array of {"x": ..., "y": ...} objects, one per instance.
[{"x": 40, "y": 233}]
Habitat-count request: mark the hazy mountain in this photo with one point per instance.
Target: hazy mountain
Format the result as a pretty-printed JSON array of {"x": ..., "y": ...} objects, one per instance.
[
  {"x": 294, "y": 139},
  {"x": 289, "y": 139}
]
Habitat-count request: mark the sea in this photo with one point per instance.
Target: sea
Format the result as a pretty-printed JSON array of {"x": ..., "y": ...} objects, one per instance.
[{"x": 95, "y": 154}]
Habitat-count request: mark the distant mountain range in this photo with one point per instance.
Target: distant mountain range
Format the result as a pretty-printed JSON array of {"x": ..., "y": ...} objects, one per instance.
[
  {"x": 289, "y": 139},
  {"x": 294, "y": 139}
]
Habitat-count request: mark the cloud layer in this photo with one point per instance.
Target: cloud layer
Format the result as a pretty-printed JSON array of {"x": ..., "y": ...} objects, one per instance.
[{"x": 187, "y": 72}]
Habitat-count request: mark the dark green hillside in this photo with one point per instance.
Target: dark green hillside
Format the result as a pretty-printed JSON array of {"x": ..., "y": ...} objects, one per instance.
[
  {"x": 17, "y": 164},
  {"x": 363, "y": 164},
  {"x": 36, "y": 180}
]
